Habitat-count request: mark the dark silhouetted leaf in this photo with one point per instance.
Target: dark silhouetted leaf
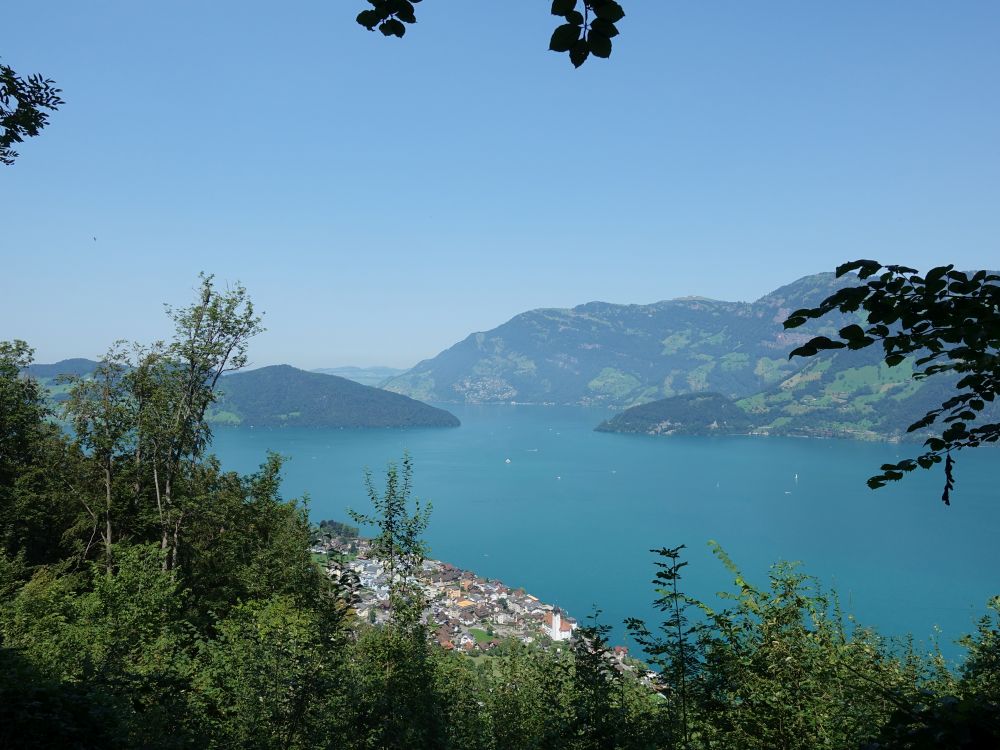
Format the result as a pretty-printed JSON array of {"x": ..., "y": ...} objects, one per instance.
[
  {"x": 610, "y": 11},
  {"x": 392, "y": 27},
  {"x": 564, "y": 37},
  {"x": 369, "y": 19},
  {"x": 406, "y": 13},
  {"x": 600, "y": 45},
  {"x": 604, "y": 27}
]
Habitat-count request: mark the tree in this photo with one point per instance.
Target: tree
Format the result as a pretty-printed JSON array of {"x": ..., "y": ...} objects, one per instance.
[
  {"x": 144, "y": 412},
  {"x": 778, "y": 666},
  {"x": 174, "y": 386},
  {"x": 588, "y": 29},
  {"x": 262, "y": 682},
  {"x": 393, "y": 664},
  {"x": 950, "y": 321},
  {"x": 22, "y": 101},
  {"x": 33, "y": 458},
  {"x": 99, "y": 409},
  {"x": 398, "y": 545},
  {"x": 600, "y": 713},
  {"x": 676, "y": 658}
]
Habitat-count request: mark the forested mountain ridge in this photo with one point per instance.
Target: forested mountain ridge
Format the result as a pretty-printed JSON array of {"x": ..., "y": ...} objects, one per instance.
[
  {"x": 690, "y": 414},
  {"x": 78, "y": 366},
  {"x": 282, "y": 395}
]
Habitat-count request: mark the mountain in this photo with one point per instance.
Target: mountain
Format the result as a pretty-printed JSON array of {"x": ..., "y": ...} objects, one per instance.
[
  {"x": 284, "y": 395},
  {"x": 47, "y": 375},
  {"x": 849, "y": 394},
  {"x": 733, "y": 355},
  {"x": 690, "y": 414},
  {"x": 75, "y": 367},
  {"x": 623, "y": 355},
  {"x": 365, "y": 375},
  {"x": 845, "y": 394}
]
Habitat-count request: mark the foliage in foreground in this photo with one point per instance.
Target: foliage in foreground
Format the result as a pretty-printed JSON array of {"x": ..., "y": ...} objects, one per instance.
[
  {"x": 22, "y": 101},
  {"x": 587, "y": 29},
  {"x": 950, "y": 321}
]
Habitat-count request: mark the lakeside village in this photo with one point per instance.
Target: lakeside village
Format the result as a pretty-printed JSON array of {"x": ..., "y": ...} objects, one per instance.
[{"x": 473, "y": 615}]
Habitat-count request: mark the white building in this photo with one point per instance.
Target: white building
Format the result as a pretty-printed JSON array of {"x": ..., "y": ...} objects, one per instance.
[{"x": 556, "y": 627}]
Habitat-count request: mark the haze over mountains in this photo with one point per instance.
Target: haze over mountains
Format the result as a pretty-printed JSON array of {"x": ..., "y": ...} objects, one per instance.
[{"x": 374, "y": 376}]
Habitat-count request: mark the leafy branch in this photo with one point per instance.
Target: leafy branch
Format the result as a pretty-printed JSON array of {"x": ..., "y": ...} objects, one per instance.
[
  {"x": 585, "y": 32},
  {"x": 389, "y": 16},
  {"x": 948, "y": 319},
  {"x": 21, "y": 103}
]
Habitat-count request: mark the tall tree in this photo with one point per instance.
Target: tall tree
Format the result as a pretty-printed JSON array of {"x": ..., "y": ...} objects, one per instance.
[
  {"x": 142, "y": 414},
  {"x": 33, "y": 464},
  {"x": 176, "y": 385},
  {"x": 100, "y": 411}
]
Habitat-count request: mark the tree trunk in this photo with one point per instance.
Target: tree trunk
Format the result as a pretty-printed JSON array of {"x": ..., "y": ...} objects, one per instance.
[
  {"x": 107, "y": 514},
  {"x": 177, "y": 544}
]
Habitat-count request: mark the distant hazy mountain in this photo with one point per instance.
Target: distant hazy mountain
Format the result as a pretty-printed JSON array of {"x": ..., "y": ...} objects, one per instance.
[
  {"x": 47, "y": 374},
  {"x": 284, "y": 395},
  {"x": 623, "y": 355},
  {"x": 63, "y": 367},
  {"x": 365, "y": 375}
]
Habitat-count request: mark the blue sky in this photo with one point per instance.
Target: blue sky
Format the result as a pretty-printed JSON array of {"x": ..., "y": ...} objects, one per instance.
[{"x": 383, "y": 198}]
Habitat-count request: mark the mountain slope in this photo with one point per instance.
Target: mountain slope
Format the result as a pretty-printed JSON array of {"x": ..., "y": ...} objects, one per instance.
[
  {"x": 623, "y": 355},
  {"x": 78, "y": 366},
  {"x": 842, "y": 394},
  {"x": 848, "y": 394},
  {"x": 284, "y": 395}
]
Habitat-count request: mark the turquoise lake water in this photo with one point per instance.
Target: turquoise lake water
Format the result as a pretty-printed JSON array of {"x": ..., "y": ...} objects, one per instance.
[{"x": 573, "y": 515}]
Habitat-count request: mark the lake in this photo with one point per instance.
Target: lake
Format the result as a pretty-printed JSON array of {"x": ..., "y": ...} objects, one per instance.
[{"x": 573, "y": 515}]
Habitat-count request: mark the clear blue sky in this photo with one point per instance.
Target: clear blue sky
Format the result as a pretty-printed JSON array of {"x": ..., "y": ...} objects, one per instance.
[{"x": 383, "y": 198}]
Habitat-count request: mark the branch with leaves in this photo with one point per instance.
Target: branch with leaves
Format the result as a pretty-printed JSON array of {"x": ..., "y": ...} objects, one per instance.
[
  {"x": 22, "y": 101},
  {"x": 588, "y": 29},
  {"x": 949, "y": 320}
]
